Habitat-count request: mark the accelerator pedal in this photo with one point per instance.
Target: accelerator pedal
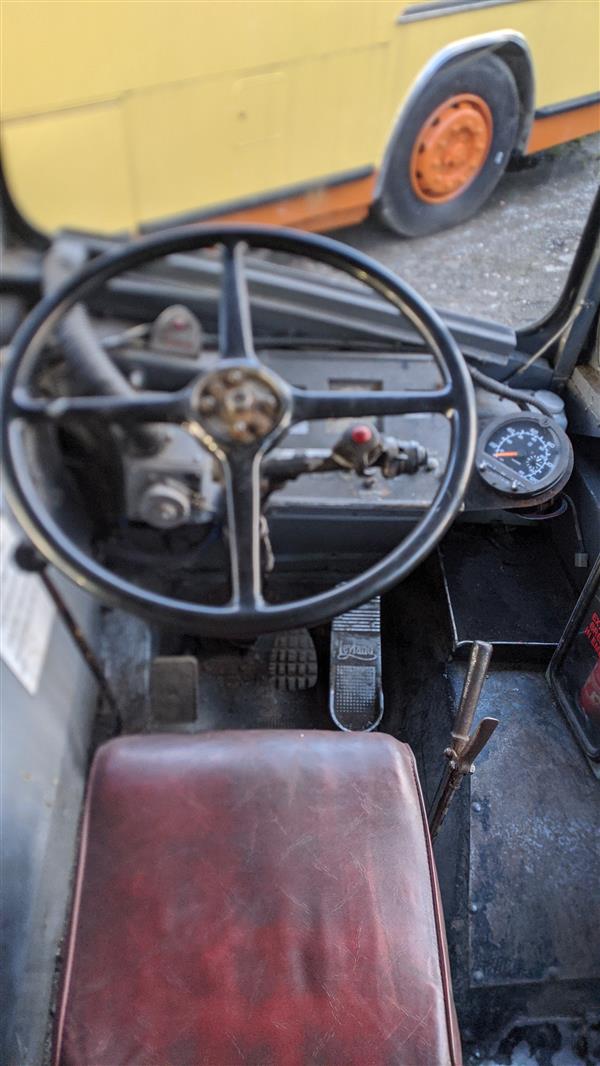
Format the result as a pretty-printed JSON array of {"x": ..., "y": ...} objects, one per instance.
[
  {"x": 355, "y": 690},
  {"x": 293, "y": 660}
]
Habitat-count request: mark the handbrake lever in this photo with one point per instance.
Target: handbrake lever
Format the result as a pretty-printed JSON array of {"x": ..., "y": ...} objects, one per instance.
[
  {"x": 466, "y": 746},
  {"x": 479, "y": 661}
]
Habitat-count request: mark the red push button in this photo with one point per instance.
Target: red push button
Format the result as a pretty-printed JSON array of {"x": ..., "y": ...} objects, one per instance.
[{"x": 362, "y": 434}]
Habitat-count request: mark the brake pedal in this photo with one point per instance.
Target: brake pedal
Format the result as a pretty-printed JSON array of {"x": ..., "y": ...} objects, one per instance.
[
  {"x": 355, "y": 689},
  {"x": 293, "y": 660}
]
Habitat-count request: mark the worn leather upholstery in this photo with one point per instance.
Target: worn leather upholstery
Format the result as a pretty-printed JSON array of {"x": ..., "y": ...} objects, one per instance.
[{"x": 266, "y": 898}]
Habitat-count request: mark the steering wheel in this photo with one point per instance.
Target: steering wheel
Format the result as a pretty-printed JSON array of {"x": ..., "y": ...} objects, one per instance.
[{"x": 238, "y": 411}]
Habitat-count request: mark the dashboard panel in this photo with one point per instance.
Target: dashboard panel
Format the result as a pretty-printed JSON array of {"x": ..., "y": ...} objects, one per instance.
[
  {"x": 334, "y": 490},
  {"x": 541, "y": 439}
]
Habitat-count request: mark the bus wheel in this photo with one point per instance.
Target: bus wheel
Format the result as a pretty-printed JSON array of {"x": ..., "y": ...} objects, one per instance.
[{"x": 452, "y": 148}]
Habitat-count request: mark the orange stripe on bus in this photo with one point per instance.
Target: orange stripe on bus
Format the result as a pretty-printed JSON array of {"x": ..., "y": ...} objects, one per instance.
[
  {"x": 566, "y": 126},
  {"x": 316, "y": 209}
]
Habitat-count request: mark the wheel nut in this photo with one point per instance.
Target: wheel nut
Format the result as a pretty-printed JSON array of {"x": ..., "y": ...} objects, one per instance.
[
  {"x": 207, "y": 403},
  {"x": 234, "y": 377}
]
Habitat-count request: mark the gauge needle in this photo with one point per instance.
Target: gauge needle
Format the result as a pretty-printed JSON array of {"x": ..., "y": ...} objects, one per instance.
[{"x": 506, "y": 455}]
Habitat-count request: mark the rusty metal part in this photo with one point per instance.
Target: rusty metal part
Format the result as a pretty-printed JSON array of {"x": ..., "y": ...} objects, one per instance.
[
  {"x": 451, "y": 148},
  {"x": 465, "y": 746},
  {"x": 481, "y": 654},
  {"x": 239, "y": 404},
  {"x": 459, "y": 766}
]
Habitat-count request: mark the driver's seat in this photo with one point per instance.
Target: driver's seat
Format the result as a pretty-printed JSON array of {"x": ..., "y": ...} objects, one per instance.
[{"x": 262, "y": 897}]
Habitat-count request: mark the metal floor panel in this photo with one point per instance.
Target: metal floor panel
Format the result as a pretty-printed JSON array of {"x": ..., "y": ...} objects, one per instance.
[
  {"x": 534, "y": 829},
  {"x": 519, "y": 597}
]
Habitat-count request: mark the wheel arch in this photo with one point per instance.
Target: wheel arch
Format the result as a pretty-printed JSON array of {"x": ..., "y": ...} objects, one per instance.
[{"x": 509, "y": 46}]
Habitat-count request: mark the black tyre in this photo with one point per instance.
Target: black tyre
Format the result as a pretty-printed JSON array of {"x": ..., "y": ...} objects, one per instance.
[{"x": 452, "y": 149}]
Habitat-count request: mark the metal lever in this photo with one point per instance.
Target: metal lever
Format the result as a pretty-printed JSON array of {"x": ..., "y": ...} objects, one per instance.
[
  {"x": 465, "y": 746},
  {"x": 479, "y": 661}
]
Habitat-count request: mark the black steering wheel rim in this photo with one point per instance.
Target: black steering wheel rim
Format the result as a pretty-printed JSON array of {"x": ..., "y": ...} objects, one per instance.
[{"x": 238, "y": 619}]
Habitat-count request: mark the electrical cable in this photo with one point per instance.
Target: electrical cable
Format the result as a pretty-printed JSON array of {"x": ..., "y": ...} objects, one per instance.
[
  {"x": 520, "y": 396},
  {"x": 548, "y": 344}
]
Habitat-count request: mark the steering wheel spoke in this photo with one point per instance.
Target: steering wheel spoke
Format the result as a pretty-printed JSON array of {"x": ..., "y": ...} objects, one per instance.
[
  {"x": 126, "y": 410},
  {"x": 235, "y": 323},
  {"x": 242, "y": 493},
  {"x": 310, "y": 404}
]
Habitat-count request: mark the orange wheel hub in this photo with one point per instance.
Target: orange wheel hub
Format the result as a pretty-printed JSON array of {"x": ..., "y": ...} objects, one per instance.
[{"x": 451, "y": 148}]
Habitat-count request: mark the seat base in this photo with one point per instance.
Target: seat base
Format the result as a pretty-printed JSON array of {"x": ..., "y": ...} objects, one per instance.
[{"x": 263, "y": 897}]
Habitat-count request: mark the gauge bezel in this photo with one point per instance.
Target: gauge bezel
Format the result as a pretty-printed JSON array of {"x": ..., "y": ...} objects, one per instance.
[{"x": 497, "y": 476}]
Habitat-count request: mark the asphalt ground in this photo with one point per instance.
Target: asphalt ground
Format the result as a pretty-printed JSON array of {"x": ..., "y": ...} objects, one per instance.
[{"x": 509, "y": 262}]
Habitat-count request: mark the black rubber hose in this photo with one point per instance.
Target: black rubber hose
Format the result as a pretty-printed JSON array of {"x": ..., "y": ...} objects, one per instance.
[
  {"x": 86, "y": 356},
  {"x": 518, "y": 395},
  {"x": 88, "y": 362}
]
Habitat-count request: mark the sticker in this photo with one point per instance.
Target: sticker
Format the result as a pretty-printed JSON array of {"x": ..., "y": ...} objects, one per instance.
[{"x": 26, "y": 614}]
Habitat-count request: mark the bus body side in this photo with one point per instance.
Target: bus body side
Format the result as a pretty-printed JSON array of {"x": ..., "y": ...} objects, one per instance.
[{"x": 120, "y": 115}]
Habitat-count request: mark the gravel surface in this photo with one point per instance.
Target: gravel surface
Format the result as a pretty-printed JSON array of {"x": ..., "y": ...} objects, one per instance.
[{"x": 510, "y": 261}]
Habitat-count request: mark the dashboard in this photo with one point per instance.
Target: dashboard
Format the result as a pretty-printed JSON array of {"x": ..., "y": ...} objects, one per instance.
[
  {"x": 523, "y": 458},
  {"x": 342, "y": 489}
]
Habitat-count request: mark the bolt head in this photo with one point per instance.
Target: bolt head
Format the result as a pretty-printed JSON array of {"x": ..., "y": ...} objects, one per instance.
[
  {"x": 234, "y": 377},
  {"x": 168, "y": 510},
  {"x": 137, "y": 378},
  {"x": 207, "y": 404}
]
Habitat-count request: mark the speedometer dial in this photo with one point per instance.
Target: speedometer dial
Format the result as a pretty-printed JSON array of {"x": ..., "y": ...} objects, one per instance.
[
  {"x": 524, "y": 455},
  {"x": 529, "y": 450}
]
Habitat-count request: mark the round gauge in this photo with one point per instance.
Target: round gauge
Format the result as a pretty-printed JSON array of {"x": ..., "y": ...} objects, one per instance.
[{"x": 524, "y": 455}]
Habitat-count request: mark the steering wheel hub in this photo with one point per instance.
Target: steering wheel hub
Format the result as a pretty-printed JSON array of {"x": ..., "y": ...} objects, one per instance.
[{"x": 240, "y": 404}]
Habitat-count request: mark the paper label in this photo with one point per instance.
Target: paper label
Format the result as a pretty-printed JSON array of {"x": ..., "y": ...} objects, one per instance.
[{"x": 26, "y": 614}]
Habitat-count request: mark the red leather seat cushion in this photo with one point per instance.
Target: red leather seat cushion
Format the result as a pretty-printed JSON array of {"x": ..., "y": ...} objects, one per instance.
[{"x": 266, "y": 898}]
